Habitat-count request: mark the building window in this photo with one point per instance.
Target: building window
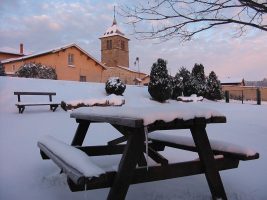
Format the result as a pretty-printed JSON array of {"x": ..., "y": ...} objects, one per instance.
[
  {"x": 109, "y": 44},
  {"x": 71, "y": 59},
  {"x": 13, "y": 68},
  {"x": 122, "y": 45},
  {"x": 82, "y": 78}
]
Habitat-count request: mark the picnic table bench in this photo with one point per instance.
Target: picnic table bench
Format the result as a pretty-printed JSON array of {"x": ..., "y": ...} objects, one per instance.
[
  {"x": 21, "y": 106},
  {"x": 136, "y": 128}
]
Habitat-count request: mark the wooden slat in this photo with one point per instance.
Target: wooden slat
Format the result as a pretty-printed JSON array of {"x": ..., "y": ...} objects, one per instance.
[
  {"x": 71, "y": 172},
  {"x": 183, "y": 146},
  {"x": 34, "y": 93},
  {"x": 156, "y": 173}
]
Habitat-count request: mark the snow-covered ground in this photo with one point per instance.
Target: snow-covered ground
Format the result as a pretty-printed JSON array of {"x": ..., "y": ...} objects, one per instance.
[{"x": 24, "y": 175}]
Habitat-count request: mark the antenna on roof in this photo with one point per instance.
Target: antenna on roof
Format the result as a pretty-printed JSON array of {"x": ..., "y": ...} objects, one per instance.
[{"x": 114, "y": 19}]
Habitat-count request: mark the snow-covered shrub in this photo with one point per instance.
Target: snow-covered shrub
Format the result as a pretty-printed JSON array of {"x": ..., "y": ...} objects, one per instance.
[
  {"x": 214, "y": 88},
  {"x": 160, "y": 87},
  {"x": 32, "y": 70},
  {"x": 185, "y": 75},
  {"x": 2, "y": 70},
  {"x": 115, "y": 86}
]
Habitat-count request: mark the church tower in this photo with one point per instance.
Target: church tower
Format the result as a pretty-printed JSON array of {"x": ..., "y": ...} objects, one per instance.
[{"x": 114, "y": 47}]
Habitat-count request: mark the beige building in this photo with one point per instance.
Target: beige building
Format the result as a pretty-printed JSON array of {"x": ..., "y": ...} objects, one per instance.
[
  {"x": 115, "y": 55},
  {"x": 73, "y": 63}
]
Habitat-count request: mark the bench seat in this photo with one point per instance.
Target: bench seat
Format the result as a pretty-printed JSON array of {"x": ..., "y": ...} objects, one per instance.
[
  {"x": 218, "y": 147},
  {"x": 75, "y": 163},
  {"x": 21, "y": 106}
]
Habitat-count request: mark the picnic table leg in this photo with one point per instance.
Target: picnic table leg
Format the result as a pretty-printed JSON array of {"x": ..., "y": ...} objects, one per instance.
[
  {"x": 130, "y": 157},
  {"x": 207, "y": 158},
  {"x": 80, "y": 133}
]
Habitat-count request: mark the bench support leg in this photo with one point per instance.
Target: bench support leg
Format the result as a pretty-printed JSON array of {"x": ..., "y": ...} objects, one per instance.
[
  {"x": 207, "y": 158},
  {"x": 80, "y": 133},
  {"x": 130, "y": 157},
  {"x": 53, "y": 107},
  {"x": 21, "y": 109}
]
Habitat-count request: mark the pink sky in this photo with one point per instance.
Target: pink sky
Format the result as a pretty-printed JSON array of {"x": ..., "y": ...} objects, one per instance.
[{"x": 43, "y": 25}]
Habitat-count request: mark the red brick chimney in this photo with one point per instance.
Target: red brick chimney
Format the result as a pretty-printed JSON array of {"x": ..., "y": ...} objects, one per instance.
[{"x": 21, "y": 48}]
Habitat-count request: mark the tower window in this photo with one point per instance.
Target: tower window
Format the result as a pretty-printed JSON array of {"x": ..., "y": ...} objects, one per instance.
[
  {"x": 122, "y": 45},
  {"x": 70, "y": 59},
  {"x": 109, "y": 44}
]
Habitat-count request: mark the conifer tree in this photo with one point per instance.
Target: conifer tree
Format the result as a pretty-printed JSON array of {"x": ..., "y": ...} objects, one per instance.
[
  {"x": 178, "y": 86},
  {"x": 185, "y": 75},
  {"x": 197, "y": 82},
  {"x": 214, "y": 88},
  {"x": 159, "y": 86}
]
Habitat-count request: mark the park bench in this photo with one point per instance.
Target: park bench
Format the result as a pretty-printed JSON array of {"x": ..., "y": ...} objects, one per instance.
[
  {"x": 21, "y": 106},
  {"x": 83, "y": 174}
]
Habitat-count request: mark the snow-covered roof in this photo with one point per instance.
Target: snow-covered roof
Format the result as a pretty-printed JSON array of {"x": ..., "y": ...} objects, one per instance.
[
  {"x": 228, "y": 80},
  {"x": 53, "y": 51},
  {"x": 11, "y": 53},
  {"x": 113, "y": 31},
  {"x": 131, "y": 70}
]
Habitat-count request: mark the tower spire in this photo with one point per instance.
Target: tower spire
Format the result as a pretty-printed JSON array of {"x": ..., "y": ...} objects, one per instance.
[{"x": 114, "y": 19}]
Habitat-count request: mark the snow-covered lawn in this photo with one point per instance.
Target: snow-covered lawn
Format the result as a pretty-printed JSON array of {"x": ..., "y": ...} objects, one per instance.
[{"x": 24, "y": 175}]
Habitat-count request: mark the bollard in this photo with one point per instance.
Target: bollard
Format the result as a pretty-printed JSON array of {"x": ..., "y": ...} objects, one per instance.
[
  {"x": 227, "y": 96},
  {"x": 258, "y": 92}
]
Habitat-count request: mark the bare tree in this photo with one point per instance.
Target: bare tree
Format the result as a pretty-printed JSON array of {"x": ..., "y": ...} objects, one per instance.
[{"x": 185, "y": 18}]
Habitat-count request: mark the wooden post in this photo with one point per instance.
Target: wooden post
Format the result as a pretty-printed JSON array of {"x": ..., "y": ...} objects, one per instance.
[
  {"x": 130, "y": 157},
  {"x": 227, "y": 96},
  {"x": 207, "y": 159},
  {"x": 242, "y": 96},
  {"x": 80, "y": 133},
  {"x": 258, "y": 93}
]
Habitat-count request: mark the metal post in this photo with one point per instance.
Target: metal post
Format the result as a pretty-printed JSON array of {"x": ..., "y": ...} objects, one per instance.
[
  {"x": 258, "y": 93},
  {"x": 227, "y": 96},
  {"x": 242, "y": 96}
]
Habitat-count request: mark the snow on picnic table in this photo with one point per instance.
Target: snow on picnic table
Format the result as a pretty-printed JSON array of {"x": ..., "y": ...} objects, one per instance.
[{"x": 24, "y": 175}]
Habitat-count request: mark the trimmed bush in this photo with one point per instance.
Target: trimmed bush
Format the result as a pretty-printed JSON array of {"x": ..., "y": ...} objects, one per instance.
[{"x": 115, "y": 86}]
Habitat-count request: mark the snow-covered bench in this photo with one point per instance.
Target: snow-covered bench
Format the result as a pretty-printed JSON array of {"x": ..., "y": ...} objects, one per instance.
[
  {"x": 21, "y": 106},
  {"x": 219, "y": 147},
  {"x": 75, "y": 163}
]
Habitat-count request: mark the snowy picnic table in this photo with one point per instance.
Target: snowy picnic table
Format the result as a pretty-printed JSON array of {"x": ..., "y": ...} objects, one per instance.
[{"x": 136, "y": 124}]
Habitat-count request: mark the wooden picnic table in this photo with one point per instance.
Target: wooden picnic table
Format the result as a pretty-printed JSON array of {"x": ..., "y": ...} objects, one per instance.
[{"x": 135, "y": 124}]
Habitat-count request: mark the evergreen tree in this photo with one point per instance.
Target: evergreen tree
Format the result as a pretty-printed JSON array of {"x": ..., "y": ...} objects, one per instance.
[
  {"x": 185, "y": 75},
  {"x": 178, "y": 86},
  {"x": 2, "y": 70},
  {"x": 160, "y": 87},
  {"x": 197, "y": 82},
  {"x": 214, "y": 88}
]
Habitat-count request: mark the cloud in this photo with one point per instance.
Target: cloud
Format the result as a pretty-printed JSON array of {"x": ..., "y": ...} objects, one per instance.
[{"x": 43, "y": 25}]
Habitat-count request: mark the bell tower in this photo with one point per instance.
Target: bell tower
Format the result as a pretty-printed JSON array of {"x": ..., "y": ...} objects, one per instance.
[{"x": 114, "y": 46}]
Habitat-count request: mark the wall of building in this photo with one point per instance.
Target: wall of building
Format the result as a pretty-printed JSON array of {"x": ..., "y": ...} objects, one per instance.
[
  {"x": 83, "y": 65},
  {"x": 125, "y": 75},
  {"x": 249, "y": 93},
  {"x": 116, "y": 55},
  {"x": 4, "y": 56}
]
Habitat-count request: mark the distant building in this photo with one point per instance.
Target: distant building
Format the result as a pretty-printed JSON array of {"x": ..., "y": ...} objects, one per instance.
[
  {"x": 71, "y": 63},
  {"x": 6, "y": 55},
  {"x": 115, "y": 55},
  {"x": 232, "y": 81}
]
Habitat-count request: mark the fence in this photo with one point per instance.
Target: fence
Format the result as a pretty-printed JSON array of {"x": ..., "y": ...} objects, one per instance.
[{"x": 245, "y": 93}]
